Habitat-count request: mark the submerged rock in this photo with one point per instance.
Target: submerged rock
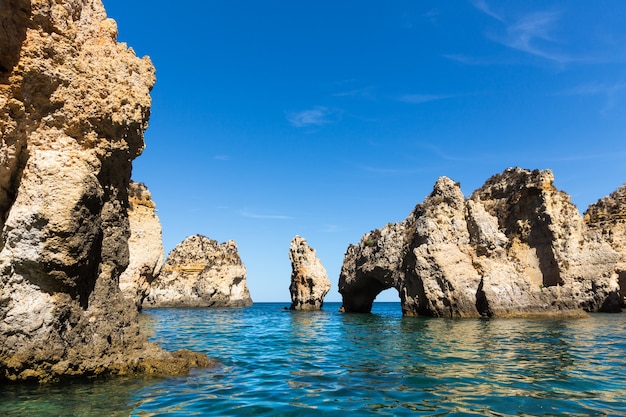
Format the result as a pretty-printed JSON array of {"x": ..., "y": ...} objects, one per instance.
[
  {"x": 608, "y": 218},
  {"x": 74, "y": 104},
  {"x": 199, "y": 272},
  {"x": 309, "y": 280},
  {"x": 517, "y": 247},
  {"x": 145, "y": 245}
]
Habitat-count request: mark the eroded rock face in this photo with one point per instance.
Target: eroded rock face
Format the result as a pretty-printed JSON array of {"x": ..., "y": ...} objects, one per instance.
[
  {"x": 73, "y": 108},
  {"x": 608, "y": 218},
  {"x": 516, "y": 247},
  {"x": 145, "y": 245},
  {"x": 309, "y": 280},
  {"x": 199, "y": 272}
]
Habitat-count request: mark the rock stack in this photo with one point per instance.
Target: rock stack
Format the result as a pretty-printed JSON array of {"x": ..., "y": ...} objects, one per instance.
[
  {"x": 145, "y": 245},
  {"x": 199, "y": 272},
  {"x": 309, "y": 280},
  {"x": 516, "y": 247},
  {"x": 74, "y": 104},
  {"x": 608, "y": 218}
]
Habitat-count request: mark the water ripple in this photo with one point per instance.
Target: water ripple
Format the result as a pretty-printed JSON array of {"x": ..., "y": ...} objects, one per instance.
[{"x": 283, "y": 363}]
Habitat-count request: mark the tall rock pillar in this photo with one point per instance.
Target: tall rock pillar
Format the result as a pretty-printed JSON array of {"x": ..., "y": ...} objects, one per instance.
[{"x": 309, "y": 280}]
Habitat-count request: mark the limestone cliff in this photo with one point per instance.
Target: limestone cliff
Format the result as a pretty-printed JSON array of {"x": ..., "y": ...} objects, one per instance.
[
  {"x": 74, "y": 104},
  {"x": 145, "y": 245},
  {"x": 608, "y": 218},
  {"x": 309, "y": 280},
  {"x": 199, "y": 272},
  {"x": 517, "y": 247}
]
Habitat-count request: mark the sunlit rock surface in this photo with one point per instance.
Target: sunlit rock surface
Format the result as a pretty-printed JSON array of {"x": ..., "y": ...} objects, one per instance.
[
  {"x": 145, "y": 245},
  {"x": 200, "y": 272},
  {"x": 608, "y": 217},
  {"x": 516, "y": 247},
  {"x": 309, "y": 280},
  {"x": 74, "y": 104}
]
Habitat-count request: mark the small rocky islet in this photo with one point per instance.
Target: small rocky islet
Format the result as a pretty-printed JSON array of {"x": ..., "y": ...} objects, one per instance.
[
  {"x": 200, "y": 272},
  {"x": 81, "y": 250}
]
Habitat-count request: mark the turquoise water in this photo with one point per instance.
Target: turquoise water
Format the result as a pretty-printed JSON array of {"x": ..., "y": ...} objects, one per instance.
[{"x": 276, "y": 362}]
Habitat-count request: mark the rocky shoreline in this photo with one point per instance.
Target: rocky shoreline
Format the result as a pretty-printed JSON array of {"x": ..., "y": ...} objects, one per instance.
[{"x": 81, "y": 249}]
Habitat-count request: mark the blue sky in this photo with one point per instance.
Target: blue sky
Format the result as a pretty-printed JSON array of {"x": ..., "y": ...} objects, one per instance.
[{"x": 328, "y": 119}]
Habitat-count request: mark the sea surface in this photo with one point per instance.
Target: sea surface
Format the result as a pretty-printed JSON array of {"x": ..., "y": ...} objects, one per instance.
[{"x": 284, "y": 363}]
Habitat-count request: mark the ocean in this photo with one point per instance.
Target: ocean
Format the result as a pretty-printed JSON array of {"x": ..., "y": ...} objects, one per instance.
[{"x": 275, "y": 362}]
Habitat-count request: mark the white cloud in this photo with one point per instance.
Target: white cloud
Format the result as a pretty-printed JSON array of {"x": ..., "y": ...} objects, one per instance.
[
  {"x": 596, "y": 88},
  {"x": 246, "y": 213},
  {"x": 365, "y": 92},
  {"x": 432, "y": 15},
  {"x": 221, "y": 157},
  {"x": 616, "y": 155},
  {"x": 317, "y": 116},
  {"x": 468, "y": 60},
  {"x": 484, "y": 7},
  {"x": 422, "y": 98},
  {"x": 612, "y": 92},
  {"x": 389, "y": 171},
  {"x": 439, "y": 152},
  {"x": 531, "y": 33}
]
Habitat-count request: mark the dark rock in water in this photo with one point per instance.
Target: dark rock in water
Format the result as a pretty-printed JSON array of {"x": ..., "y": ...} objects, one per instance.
[
  {"x": 74, "y": 104},
  {"x": 516, "y": 247},
  {"x": 200, "y": 272},
  {"x": 608, "y": 218},
  {"x": 309, "y": 280}
]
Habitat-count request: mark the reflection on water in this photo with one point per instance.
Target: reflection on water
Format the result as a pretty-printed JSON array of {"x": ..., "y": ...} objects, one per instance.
[{"x": 276, "y": 362}]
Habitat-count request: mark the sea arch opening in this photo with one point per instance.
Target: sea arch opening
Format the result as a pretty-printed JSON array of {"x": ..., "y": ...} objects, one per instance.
[{"x": 360, "y": 298}]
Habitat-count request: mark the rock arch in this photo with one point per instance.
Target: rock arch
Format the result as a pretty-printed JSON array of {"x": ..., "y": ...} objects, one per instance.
[
  {"x": 359, "y": 298},
  {"x": 516, "y": 247}
]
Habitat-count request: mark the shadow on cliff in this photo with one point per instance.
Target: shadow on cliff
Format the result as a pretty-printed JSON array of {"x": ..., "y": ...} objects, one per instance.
[
  {"x": 12, "y": 35},
  {"x": 14, "y": 21}
]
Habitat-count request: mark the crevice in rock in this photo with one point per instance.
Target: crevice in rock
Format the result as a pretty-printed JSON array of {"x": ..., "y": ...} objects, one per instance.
[
  {"x": 86, "y": 286},
  {"x": 413, "y": 284},
  {"x": 482, "y": 303},
  {"x": 14, "y": 22},
  {"x": 540, "y": 238},
  {"x": 521, "y": 212},
  {"x": 621, "y": 280},
  {"x": 14, "y": 17},
  {"x": 8, "y": 191},
  {"x": 611, "y": 303}
]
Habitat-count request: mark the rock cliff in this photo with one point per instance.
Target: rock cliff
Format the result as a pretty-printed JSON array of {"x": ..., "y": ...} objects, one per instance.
[
  {"x": 145, "y": 245},
  {"x": 516, "y": 247},
  {"x": 74, "y": 104},
  {"x": 199, "y": 272},
  {"x": 309, "y": 280},
  {"x": 608, "y": 218}
]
